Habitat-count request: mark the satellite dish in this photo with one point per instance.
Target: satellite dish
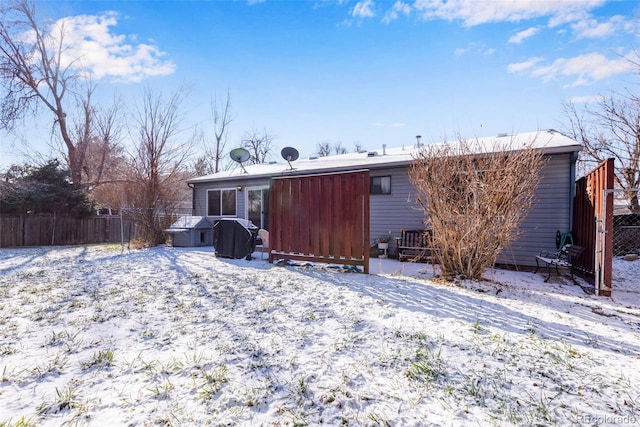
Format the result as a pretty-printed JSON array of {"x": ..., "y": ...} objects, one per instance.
[
  {"x": 240, "y": 155},
  {"x": 290, "y": 154}
]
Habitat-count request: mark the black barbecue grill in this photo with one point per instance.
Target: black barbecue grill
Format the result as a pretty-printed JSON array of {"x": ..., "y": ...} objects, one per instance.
[{"x": 234, "y": 238}]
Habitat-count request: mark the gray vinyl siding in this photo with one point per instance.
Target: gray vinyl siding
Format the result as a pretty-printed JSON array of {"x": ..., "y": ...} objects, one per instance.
[
  {"x": 551, "y": 211},
  {"x": 200, "y": 194},
  {"x": 395, "y": 211},
  {"x": 192, "y": 238}
]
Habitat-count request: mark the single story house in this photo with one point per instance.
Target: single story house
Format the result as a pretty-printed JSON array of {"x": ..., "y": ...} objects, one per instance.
[{"x": 243, "y": 192}]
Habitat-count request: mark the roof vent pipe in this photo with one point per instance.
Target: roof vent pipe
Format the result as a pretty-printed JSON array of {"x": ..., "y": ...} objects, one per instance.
[
  {"x": 384, "y": 149},
  {"x": 418, "y": 140}
]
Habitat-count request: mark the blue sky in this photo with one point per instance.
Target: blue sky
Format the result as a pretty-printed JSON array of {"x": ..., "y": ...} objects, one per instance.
[{"x": 372, "y": 72}]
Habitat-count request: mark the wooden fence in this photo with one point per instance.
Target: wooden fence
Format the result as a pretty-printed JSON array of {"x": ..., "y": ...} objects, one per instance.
[
  {"x": 593, "y": 225},
  {"x": 320, "y": 218},
  {"x": 49, "y": 230}
]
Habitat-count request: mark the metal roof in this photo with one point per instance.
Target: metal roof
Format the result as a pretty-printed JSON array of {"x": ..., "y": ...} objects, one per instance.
[{"x": 550, "y": 141}]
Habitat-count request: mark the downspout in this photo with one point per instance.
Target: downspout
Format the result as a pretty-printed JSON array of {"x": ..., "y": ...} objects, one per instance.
[
  {"x": 572, "y": 187},
  {"x": 193, "y": 198}
]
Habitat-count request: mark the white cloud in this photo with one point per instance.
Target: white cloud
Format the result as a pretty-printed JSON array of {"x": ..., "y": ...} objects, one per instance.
[
  {"x": 363, "y": 9},
  {"x": 474, "y": 12},
  {"x": 576, "y": 13},
  {"x": 584, "y": 68},
  {"x": 475, "y": 47},
  {"x": 91, "y": 47},
  {"x": 522, "y": 35},
  {"x": 399, "y": 7},
  {"x": 519, "y": 67},
  {"x": 591, "y": 28}
]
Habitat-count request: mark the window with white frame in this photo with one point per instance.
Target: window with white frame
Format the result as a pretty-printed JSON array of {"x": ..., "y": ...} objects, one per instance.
[
  {"x": 380, "y": 185},
  {"x": 221, "y": 202}
]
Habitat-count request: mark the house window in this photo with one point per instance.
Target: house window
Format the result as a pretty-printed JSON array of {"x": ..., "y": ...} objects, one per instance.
[
  {"x": 221, "y": 203},
  {"x": 380, "y": 185}
]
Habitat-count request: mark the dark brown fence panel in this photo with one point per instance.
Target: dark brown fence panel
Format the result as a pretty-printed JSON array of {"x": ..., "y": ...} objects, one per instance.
[
  {"x": 37, "y": 230},
  {"x": 48, "y": 230},
  {"x": 592, "y": 213},
  {"x": 320, "y": 218},
  {"x": 11, "y": 231}
]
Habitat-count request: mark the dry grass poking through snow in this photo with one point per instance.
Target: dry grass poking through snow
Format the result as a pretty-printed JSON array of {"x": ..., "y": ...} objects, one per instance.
[{"x": 172, "y": 336}]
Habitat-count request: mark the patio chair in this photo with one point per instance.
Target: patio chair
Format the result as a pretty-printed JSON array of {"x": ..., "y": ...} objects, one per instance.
[{"x": 264, "y": 236}]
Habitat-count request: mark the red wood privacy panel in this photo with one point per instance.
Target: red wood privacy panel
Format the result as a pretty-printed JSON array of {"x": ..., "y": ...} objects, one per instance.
[
  {"x": 593, "y": 211},
  {"x": 320, "y": 218}
]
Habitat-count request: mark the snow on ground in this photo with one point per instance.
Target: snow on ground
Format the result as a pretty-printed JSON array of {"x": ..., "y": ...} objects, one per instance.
[{"x": 93, "y": 335}]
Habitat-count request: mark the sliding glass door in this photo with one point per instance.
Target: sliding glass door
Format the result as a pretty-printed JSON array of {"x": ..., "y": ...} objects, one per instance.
[{"x": 258, "y": 207}]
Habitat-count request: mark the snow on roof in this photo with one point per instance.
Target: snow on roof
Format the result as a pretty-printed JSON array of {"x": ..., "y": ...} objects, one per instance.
[
  {"x": 188, "y": 222},
  {"x": 551, "y": 141}
]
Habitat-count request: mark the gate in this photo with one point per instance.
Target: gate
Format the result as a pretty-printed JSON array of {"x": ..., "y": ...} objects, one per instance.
[
  {"x": 625, "y": 224},
  {"x": 320, "y": 218},
  {"x": 593, "y": 225}
]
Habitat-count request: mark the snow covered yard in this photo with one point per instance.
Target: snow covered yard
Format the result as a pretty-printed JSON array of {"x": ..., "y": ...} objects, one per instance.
[{"x": 175, "y": 336}]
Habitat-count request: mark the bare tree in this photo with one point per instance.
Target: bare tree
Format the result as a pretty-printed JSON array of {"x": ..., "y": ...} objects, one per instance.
[
  {"x": 474, "y": 198},
  {"x": 105, "y": 160},
  {"x": 201, "y": 167},
  {"x": 338, "y": 148},
  {"x": 259, "y": 145},
  {"x": 158, "y": 164},
  {"x": 96, "y": 134},
  {"x": 212, "y": 160},
  {"x": 326, "y": 148},
  {"x": 610, "y": 128},
  {"x": 221, "y": 116},
  {"x": 35, "y": 73},
  {"x": 323, "y": 149}
]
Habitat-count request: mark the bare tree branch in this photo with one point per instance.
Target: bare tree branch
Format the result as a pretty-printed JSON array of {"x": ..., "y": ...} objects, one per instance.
[
  {"x": 323, "y": 149},
  {"x": 610, "y": 128},
  {"x": 259, "y": 145},
  {"x": 158, "y": 165},
  {"x": 33, "y": 73},
  {"x": 221, "y": 120}
]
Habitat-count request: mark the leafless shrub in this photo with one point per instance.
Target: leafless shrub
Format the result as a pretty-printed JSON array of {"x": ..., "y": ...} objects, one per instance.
[
  {"x": 474, "y": 197},
  {"x": 157, "y": 169}
]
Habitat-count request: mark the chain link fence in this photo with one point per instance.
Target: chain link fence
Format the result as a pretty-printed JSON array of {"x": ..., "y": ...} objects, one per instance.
[{"x": 626, "y": 227}]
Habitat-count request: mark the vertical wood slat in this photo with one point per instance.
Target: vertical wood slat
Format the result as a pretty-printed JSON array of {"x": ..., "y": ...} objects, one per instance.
[
  {"x": 325, "y": 217},
  {"x": 335, "y": 215},
  {"x": 355, "y": 228},
  {"x": 321, "y": 218},
  {"x": 606, "y": 209}
]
